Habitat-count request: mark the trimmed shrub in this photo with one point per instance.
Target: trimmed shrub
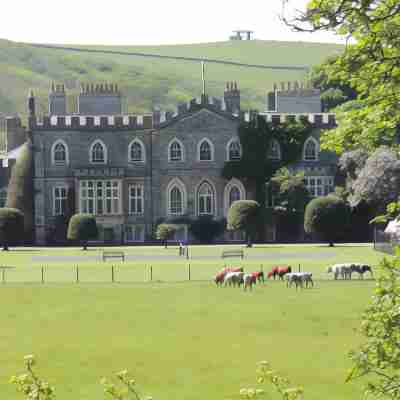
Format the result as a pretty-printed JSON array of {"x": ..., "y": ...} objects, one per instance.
[
  {"x": 243, "y": 215},
  {"x": 205, "y": 229},
  {"x": 165, "y": 232},
  {"x": 11, "y": 226},
  {"x": 82, "y": 227},
  {"x": 328, "y": 217}
]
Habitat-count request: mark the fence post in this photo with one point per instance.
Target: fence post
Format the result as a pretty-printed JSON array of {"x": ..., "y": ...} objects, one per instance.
[
  {"x": 3, "y": 275},
  {"x": 187, "y": 252},
  {"x": 299, "y": 268},
  {"x": 77, "y": 274},
  {"x": 112, "y": 274},
  {"x": 42, "y": 274},
  {"x": 189, "y": 272},
  {"x": 151, "y": 272}
]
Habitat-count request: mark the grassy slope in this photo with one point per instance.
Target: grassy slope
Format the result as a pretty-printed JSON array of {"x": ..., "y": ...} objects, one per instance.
[
  {"x": 150, "y": 83},
  {"x": 186, "y": 340}
]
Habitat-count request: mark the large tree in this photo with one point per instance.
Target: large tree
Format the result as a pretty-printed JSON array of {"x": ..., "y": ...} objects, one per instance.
[
  {"x": 369, "y": 64},
  {"x": 11, "y": 226},
  {"x": 82, "y": 228}
]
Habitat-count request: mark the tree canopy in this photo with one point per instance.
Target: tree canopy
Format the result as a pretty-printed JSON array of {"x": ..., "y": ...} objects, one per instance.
[
  {"x": 369, "y": 64},
  {"x": 82, "y": 227},
  {"x": 11, "y": 226}
]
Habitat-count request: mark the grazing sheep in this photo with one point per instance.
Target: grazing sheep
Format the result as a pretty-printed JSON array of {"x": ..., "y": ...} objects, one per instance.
[
  {"x": 233, "y": 279},
  {"x": 342, "y": 270},
  {"x": 279, "y": 271},
  {"x": 258, "y": 276},
  {"x": 361, "y": 269},
  {"x": 249, "y": 280},
  {"x": 299, "y": 279}
]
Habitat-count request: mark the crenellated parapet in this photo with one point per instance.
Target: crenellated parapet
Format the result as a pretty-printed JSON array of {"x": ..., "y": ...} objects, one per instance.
[
  {"x": 83, "y": 122},
  {"x": 318, "y": 120},
  {"x": 102, "y": 89}
]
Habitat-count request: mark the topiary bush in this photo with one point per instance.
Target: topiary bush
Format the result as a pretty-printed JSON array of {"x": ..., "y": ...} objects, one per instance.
[
  {"x": 205, "y": 228},
  {"x": 328, "y": 217},
  {"x": 11, "y": 226},
  {"x": 243, "y": 215},
  {"x": 82, "y": 227},
  {"x": 165, "y": 232}
]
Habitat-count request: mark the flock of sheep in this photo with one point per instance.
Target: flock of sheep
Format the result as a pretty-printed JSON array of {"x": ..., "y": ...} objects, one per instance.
[{"x": 236, "y": 277}]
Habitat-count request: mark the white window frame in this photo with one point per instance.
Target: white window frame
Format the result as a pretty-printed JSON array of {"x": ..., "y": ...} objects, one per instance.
[
  {"x": 108, "y": 199},
  {"x": 231, "y": 184},
  {"x": 279, "y": 155},
  {"x": 60, "y": 199},
  {"x": 176, "y": 183},
  {"x": 323, "y": 188},
  {"x": 228, "y": 153},
  {"x": 136, "y": 199},
  {"x": 213, "y": 199},
  {"x": 105, "y": 152},
  {"x": 143, "y": 150},
  {"x": 133, "y": 228},
  {"x": 210, "y": 143},
  {"x": 53, "y": 158},
  {"x": 315, "y": 141},
  {"x": 176, "y": 140}
]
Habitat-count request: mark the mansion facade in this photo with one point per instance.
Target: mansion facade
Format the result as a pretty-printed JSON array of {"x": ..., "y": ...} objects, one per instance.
[{"x": 134, "y": 171}]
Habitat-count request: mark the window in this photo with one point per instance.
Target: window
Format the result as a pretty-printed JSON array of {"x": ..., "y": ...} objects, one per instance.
[
  {"x": 98, "y": 153},
  {"x": 59, "y": 153},
  {"x": 60, "y": 200},
  {"x": 319, "y": 185},
  {"x": 134, "y": 233},
  {"x": 136, "y": 151},
  {"x": 3, "y": 197},
  {"x": 234, "y": 151},
  {"x": 100, "y": 197},
  {"x": 205, "y": 199},
  {"x": 274, "y": 150},
  {"x": 136, "y": 204},
  {"x": 311, "y": 150},
  {"x": 175, "y": 151},
  {"x": 205, "y": 151},
  {"x": 234, "y": 195},
  {"x": 176, "y": 206}
]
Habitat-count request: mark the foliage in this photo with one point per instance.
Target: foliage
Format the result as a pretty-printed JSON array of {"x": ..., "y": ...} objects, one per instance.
[
  {"x": 165, "y": 232},
  {"x": 290, "y": 190},
  {"x": 369, "y": 65},
  {"x": 20, "y": 188},
  {"x": 254, "y": 167},
  {"x": 378, "y": 182},
  {"x": 82, "y": 227},
  {"x": 378, "y": 358},
  {"x": 125, "y": 390},
  {"x": 243, "y": 215},
  {"x": 327, "y": 216},
  {"x": 11, "y": 226},
  {"x": 281, "y": 384},
  {"x": 32, "y": 387},
  {"x": 206, "y": 228},
  {"x": 333, "y": 91}
]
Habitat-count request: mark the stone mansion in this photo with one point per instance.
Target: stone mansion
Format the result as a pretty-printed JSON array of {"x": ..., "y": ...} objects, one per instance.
[{"x": 134, "y": 171}]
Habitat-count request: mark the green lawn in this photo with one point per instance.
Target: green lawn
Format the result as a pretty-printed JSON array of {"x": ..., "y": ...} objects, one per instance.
[{"x": 185, "y": 340}]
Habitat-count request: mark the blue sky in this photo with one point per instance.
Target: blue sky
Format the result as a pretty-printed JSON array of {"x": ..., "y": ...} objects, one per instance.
[{"x": 146, "y": 22}]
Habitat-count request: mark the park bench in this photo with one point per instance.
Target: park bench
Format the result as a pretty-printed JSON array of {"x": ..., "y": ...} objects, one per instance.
[
  {"x": 113, "y": 254},
  {"x": 232, "y": 253}
]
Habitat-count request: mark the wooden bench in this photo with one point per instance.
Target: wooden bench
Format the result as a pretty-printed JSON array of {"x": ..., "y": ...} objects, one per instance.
[
  {"x": 113, "y": 254},
  {"x": 233, "y": 253}
]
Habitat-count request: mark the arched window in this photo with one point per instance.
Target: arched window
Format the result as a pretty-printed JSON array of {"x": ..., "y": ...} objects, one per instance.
[
  {"x": 205, "y": 150},
  {"x": 176, "y": 193},
  {"x": 205, "y": 199},
  {"x": 98, "y": 152},
  {"x": 175, "y": 151},
  {"x": 233, "y": 191},
  {"x": 234, "y": 151},
  {"x": 310, "y": 150},
  {"x": 274, "y": 152},
  {"x": 234, "y": 195},
  {"x": 59, "y": 153},
  {"x": 136, "y": 151}
]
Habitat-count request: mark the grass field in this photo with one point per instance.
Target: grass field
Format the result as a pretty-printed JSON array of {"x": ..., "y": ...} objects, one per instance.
[
  {"x": 147, "y": 83},
  {"x": 183, "y": 339}
]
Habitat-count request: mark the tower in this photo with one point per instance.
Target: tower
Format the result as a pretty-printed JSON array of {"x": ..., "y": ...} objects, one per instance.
[
  {"x": 232, "y": 98},
  {"x": 57, "y": 100}
]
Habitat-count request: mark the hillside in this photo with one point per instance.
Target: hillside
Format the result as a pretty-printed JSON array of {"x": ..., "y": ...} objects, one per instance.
[{"x": 151, "y": 82}]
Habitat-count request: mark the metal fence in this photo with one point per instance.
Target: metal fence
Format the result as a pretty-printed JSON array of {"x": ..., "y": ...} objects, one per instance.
[{"x": 385, "y": 242}]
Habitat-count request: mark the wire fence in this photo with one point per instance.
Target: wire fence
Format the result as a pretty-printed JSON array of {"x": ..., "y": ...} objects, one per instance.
[{"x": 385, "y": 242}]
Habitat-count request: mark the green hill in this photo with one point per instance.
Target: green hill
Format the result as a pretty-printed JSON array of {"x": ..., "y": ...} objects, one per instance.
[{"x": 152, "y": 82}]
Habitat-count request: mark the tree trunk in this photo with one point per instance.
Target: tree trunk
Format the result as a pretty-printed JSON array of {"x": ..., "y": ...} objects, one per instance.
[
  {"x": 166, "y": 244},
  {"x": 331, "y": 244},
  {"x": 5, "y": 247},
  {"x": 85, "y": 246},
  {"x": 249, "y": 243}
]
